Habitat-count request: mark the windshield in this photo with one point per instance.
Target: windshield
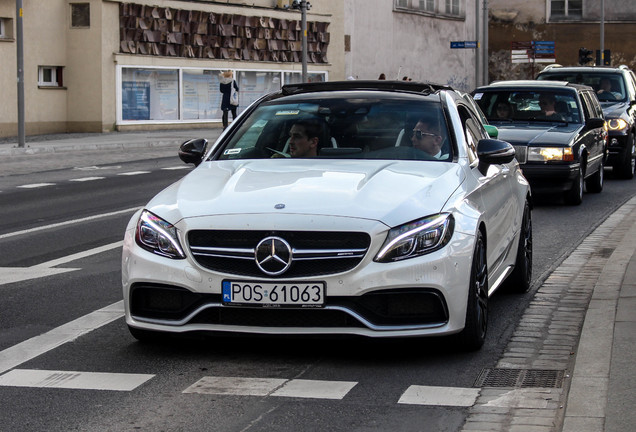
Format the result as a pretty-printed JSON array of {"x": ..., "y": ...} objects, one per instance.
[
  {"x": 608, "y": 86},
  {"x": 529, "y": 106},
  {"x": 338, "y": 127}
]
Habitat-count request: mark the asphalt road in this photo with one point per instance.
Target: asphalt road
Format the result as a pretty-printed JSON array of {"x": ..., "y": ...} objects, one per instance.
[{"x": 82, "y": 215}]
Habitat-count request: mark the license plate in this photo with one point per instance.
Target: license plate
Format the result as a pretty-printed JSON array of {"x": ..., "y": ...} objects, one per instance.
[{"x": 279, "y": 294}]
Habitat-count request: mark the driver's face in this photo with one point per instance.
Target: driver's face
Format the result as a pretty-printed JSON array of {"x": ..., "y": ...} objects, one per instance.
[{"x": 299, "y": 144}]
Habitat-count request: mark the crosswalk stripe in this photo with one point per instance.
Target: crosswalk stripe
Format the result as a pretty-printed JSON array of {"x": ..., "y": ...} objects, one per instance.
[
  {"x": 73, "y": 380},
  {"x": 238, "y": 386},
  {"x": 36, "y": 185},
  {"x": 444, "y": 396}
]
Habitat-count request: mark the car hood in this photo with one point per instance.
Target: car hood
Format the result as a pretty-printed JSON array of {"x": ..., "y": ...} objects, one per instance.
[
  {"x": 544, "y": 134},
  {"x": 614, "y": 109},
  {"x": 389, "y": 191}
]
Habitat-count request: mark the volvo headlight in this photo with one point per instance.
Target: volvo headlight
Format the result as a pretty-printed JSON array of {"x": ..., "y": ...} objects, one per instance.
[
  {"x": 617, "y": 124},
  {"x": 417, "y": 238},
  {"x": 158, "y": 236},
  {"x": 550, "y": 154}
]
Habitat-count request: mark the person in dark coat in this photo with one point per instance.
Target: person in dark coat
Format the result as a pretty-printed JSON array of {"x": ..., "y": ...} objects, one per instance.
[{"x": 225, "y": 87}]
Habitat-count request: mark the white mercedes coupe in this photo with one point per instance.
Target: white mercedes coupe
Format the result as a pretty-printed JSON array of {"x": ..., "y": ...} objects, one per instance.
[{"x": 370, "y": 208}]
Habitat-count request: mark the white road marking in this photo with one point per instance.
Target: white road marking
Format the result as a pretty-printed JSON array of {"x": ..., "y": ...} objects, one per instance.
[
  {"x": 444, "y": 396},
  {"x": 315, "y": 389},
  {"x": 180, "y": 167},
  {"x": 38, "y": 345},
  {"x": 73, "y": 380},
  {"x": 94, "y": 168},
  {"x": 132, "y": 173},
  {"x": 238, "y": 386},
  {"x": 69, "y": 222},
  {"x": 18, "y": 274},
  {"x": 36, "y": 185},
  {"x": 83, "y": 179}
]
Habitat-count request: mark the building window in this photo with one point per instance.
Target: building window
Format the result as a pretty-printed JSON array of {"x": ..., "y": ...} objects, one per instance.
[
  {"x": 80, "y": 15},
  {"x": 50, "y": 76},
  {"x": 426, "y": 5},
  {"x": 566, "y": 8},
  {"x": 452, "y": 7},
  {"x": 6, "y": 28}
]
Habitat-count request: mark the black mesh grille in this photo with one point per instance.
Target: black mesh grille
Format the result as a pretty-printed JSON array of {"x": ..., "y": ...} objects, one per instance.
[{"x": 299, "y": 240}]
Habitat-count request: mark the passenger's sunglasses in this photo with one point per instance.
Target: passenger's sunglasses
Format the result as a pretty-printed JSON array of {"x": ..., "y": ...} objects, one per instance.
[{"x": 419, "y": 134}]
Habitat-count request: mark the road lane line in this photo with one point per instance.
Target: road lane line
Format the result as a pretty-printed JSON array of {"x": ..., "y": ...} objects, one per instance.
[
  {"x": 69, "y": 222},
  {"x": 79, "y": 255},
  {"x": 36, "y": 185},
  {"x": 84, "y": 179},
  {"x": 73, "y": 380},
  {"x": 31, "y": 348},
  {"x": 179, "y": 167},
  {"x": 132, "y": 173}
]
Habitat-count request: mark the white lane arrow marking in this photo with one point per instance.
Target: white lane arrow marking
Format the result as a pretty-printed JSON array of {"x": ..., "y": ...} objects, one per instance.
[{"x": 17, "y": 274}]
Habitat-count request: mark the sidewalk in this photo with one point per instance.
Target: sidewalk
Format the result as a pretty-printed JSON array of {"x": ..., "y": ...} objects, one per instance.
[{"x": 581, "y": 321}]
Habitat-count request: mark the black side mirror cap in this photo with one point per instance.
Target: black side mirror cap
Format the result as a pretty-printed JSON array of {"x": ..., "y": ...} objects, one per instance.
[
  {"x": 192, "y": 151},
  {"x": 594, "y": 123},
  {"x": 493, "y": 151}
]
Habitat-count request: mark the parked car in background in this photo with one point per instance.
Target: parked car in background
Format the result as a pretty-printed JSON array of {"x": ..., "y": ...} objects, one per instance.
[
  {"x": 616, "y": 90},
  {"x": 369, "y": 235},
  {"x": 557, "y": 129}
]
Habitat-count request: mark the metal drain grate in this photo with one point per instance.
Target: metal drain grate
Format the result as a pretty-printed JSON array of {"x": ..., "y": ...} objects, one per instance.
[{"x": 523, "y": 378}]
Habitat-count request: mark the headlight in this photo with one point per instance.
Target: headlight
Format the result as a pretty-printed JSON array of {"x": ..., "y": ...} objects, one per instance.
[
  {"x": 158, "y": 236},
  {"x": 417, "y": 238},
  {"x": 549, "y": 154},
  {"x": 616, "y": 124}
]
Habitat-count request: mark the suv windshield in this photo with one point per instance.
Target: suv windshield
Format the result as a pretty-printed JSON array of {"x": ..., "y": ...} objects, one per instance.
[
  {"x": 353, "y": 127},
  {"x": 529, "y": 105},
  {"x": 609, "y": 87}
]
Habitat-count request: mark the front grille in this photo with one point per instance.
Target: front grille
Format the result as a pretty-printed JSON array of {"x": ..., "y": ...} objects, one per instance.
[
  {"x": 314, "y": 253},
  {"x": 521, "y": 154}
]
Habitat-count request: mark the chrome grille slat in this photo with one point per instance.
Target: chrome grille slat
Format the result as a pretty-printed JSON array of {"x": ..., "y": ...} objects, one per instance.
[{"x": 314, "y": 253}]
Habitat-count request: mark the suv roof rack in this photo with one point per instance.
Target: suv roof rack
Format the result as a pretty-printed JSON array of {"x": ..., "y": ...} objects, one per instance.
[{"x": 411, "y": 86}]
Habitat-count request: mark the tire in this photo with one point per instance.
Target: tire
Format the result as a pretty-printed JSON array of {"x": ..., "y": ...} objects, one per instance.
[
  {"x": 625, "y": 167},
  {"x": 575, "y": 195},
  {"x": 473, "y": 335},
  {"x": 521, "y": 277},
  {"x": 594, "y": 183},
  {"x": 146, "y": 336}
]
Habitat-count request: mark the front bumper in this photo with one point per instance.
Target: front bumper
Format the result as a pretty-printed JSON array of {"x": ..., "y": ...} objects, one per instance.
[
  {"x": 550, "y": 178},
  {"x": 414, "y": 297}
]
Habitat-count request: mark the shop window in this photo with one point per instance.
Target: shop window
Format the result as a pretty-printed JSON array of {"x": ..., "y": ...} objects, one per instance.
[
  {"x": 50, "y": 76},
  {"x": 80, "y": 15}
]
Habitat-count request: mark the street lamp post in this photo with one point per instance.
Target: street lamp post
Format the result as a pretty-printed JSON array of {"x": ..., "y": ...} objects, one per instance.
[
  {"x": 303, "y": 5},
  {"x": 20, "y": 61}
]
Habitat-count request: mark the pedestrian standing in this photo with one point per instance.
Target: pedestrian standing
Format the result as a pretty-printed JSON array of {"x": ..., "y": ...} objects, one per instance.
[{"x": 229, "y": 89}]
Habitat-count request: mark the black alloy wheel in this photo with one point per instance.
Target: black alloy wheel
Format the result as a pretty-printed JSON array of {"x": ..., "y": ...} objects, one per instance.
[
  {"x": 625, "y": 167},
  {"x": 521, "y": 277},
  {"x": 575, "y": 195},
  {"x": 473, "y": 335},
  {"x": 594, "y": 183}
]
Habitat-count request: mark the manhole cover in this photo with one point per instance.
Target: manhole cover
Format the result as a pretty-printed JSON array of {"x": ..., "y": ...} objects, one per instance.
[{"x": 523, "y": 378}]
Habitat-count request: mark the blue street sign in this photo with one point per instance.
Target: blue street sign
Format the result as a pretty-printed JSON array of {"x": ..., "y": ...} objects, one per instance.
[{"x": 463, "y": 44}]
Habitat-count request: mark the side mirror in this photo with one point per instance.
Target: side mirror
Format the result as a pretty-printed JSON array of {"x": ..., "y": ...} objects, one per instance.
[
  {"x": 493, "y": 132},
  {"x": 492, "y": 151},
  {"x": 192, "y": 151},
  {"x": 594, "y": 123}
]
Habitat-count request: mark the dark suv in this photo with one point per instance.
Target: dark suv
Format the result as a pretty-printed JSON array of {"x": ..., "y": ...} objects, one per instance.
[
  {"x": 616, "y": 90},
  {"x": 557, "y": 129}
]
